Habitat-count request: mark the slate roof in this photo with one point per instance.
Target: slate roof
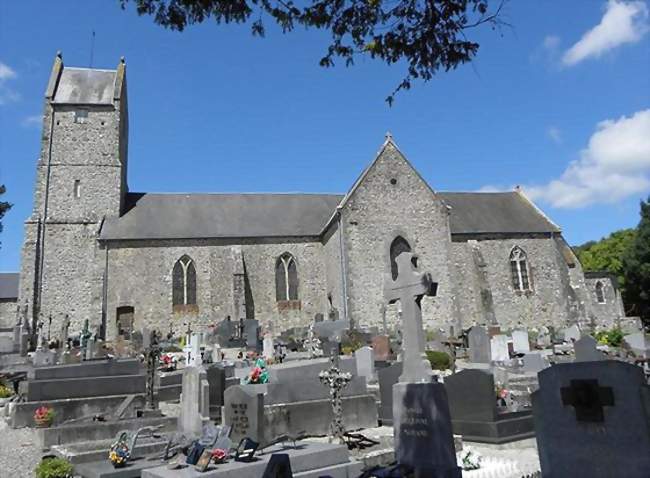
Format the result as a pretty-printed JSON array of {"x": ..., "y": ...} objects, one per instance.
[
  {"x": 485, "y": 213},
  {"x": 9, "y": 285},
  {"x": 85, "y": 86},
  {"x": 198, "y": 216}
]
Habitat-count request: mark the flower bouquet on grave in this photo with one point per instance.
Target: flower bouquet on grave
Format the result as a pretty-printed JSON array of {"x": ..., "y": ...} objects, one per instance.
[
  {"x": 258, "y": 376},
  {"x": 44, "y": 416},
  {"x": 118, "y": 453},
  {"x": 470, "y": 460},
  {"x": 219, "y": 455},
  {"x": 502, "y": 396}
]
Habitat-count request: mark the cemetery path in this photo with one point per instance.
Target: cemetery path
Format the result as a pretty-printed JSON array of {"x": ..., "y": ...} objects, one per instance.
[{"x": 19, "y": 452}]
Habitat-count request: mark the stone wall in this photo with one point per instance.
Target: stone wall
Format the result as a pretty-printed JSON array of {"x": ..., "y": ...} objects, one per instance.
[
  {"x": 390, "y": 200},
  {"x": 605, "y": 314},
  {"x": 8, "y": 315},
  {"x": 333, "y": 273},
  {"x": 140, "y": 275},
  {"x": 545, "y": 304}
]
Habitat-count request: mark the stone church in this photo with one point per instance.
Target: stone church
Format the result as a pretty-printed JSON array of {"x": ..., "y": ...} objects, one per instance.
[{"x": 94, "y": 250}]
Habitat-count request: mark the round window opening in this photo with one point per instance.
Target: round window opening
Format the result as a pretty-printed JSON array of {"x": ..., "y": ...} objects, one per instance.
[{"x": 393, "y": 181}]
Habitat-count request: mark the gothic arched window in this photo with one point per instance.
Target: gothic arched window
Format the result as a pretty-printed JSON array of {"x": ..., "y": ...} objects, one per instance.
[
  {"x": 398, "y": 246},
  {"x": 519, "y": 269},
  {"x": 184, "y": 282},
  {"x": 600, "y": 292},
  {"x": 286, "y": 278}
]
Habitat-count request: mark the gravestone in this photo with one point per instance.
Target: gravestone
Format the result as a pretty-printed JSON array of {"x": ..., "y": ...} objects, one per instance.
[
  {"x": 244, "y": 412},
  {"x": 252, "y": 331},
  {"x": 499, "y": 348},
  {"x": 571, "y": 334},
  {"x": 268, "y": 349},
  {"x": 43, "y": 357},
  {"x": 381, "y": 348},
  {"x": 387, "y": 377},
  {"x": 534, "y": 362},
  {"x": 637, "y": 343},
  {"x": 365, "y": 363},
  {"x": 520, "y": 341},
  {"x": 544, "y": 339},
  {"x": 592, "y": 419},
  {"x": 195, "y": 401},
  {"x": 421, "y": 422},
  {"x": 586, "y": 351},
  {"x": 479, "y": 345}
]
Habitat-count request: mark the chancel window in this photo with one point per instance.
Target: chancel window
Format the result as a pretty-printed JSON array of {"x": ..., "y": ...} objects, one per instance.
[
  {"x": 398, "y": 246},
  {"x": 76, "y": 191},
  {"x": 519, "y": 270},
  {"x": 184, "y": 282},
  {"x": 286, "y": 278},
  {"x": 600, "y": 292}
]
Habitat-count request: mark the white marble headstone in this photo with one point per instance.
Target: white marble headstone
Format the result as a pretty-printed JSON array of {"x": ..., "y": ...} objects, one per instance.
[
  {"x": 520, "y": 342},
  {"x": 499, "y": 348}
]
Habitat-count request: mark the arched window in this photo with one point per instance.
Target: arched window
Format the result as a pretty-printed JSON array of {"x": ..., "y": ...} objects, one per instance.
[
  {"x": 519, "y": 269},
  {"x": 600, "y": 292},
  {"x": 286, "y": 278},
  {"x": 184, "y": 282},
  {"x": 398, "y": 246}
]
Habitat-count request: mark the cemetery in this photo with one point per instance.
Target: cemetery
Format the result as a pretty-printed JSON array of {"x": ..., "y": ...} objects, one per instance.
[{"x": 233, "y": 402}]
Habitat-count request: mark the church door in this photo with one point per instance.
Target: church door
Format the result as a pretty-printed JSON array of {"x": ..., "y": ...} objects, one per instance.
[{"x": 125, "y": 321}]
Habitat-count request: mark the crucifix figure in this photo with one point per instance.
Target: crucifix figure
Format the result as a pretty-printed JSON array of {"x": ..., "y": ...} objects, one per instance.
[
  {"x": 336, "y": 381},
  {"x": 408, "y": 288}
]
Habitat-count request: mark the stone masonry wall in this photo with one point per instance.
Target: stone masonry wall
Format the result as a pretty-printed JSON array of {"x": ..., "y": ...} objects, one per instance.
[
  {"x": 377, "y": 212},
  {"x": 605, "y": 314},
  {"x": 332, "y": 259},
  {"x": 8, "y": 315},
  {"x": 140, "y": 275}
]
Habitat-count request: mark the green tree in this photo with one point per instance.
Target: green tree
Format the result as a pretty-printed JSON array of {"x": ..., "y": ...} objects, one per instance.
[
  {"x": 4, "y": 205},
  {"x": 636, "y": 267},
  {"x": 428, "y": 36},
  {"x": 607, "y": 254}
]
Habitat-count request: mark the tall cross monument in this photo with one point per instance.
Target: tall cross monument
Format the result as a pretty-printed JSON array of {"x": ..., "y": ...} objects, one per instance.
[{"x": 409, "y": 287}]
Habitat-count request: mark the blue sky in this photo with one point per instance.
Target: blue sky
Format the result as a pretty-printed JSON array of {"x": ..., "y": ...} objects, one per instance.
[{"x": 560, "y": 104}]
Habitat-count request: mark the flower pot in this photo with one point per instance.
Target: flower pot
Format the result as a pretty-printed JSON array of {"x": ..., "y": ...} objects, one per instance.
[{"x": 43, "y": 423}]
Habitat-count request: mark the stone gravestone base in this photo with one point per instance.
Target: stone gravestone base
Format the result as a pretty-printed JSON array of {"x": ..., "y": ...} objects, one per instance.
[{"x": 423, "y": 431}]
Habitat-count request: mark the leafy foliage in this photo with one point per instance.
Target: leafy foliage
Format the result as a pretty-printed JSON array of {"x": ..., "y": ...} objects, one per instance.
[
  {"x": 438, "y": 360},
  {"x": 428, "y": 35},
  {"x": 636, "y": 268},
  {"x": 5, "y": 391},
  {"x": 613, "y": 337},
  {"x": 4, "y": 206},
  {"x": 53, "y": 468},
  {"x": 607, "y": 254}
]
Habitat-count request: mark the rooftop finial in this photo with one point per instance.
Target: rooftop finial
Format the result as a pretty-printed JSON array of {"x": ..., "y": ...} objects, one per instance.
[
  {"x": 59, "y": 55},
  {"x": 122, "y": 59},
  {"x": 389, "y": 137}
]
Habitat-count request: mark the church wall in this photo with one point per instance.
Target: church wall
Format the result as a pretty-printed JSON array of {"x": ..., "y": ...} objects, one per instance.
[
  {"x": 605, "y": 314},
  {"x": 546, "y": 304},
  {"x": 72, "y": 275},
  {"x": 8, "y": 315},
  {"x": 378, "y": 211},
  {"x": 466, "y": 285},
  {"x": 332, "y": 260},
  {"x": 140, "y": 275}
]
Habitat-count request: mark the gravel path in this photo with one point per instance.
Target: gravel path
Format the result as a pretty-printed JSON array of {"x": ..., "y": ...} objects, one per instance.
[{"x": 19, "y": 453}]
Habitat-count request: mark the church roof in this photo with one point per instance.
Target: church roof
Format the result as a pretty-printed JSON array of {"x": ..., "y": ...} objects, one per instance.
[
  {"x": 9, "y": 285},
  {"x": 197, "y": 216},
  {"x": 84, "y": 86},
  {"x": 501, "y": 213}
]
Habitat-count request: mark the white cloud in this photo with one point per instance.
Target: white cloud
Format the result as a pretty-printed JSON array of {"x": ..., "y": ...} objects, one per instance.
[
  {"x": 555, "y": 134},
  {"x": 623, "y": 22},
  {"x": 551, "y": 42},
  {"x": 615, "y": 165},
  {"x": 6, "y": 93},
  {"x": 32, "y": 121}
]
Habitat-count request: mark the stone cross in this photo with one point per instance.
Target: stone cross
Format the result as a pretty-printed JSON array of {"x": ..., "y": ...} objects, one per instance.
[
  {"x": 152, "y": 355},
  {"x": 409, "y": 288},
  {"x": 336, "y": 381},
  {"x": 588, "y": 399}
]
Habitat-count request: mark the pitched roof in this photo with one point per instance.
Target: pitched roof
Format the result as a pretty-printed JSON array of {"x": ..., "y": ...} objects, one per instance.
[
  {"x": 9, "y": 285},
  {"x": 196, "y": 216},
  {"x": 85, "y": 86},
  {"x": 485, "y": 213}
]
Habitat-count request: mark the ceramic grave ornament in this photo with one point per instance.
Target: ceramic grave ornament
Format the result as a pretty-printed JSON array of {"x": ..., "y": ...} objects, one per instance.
[{"x": 409, "y": 288}]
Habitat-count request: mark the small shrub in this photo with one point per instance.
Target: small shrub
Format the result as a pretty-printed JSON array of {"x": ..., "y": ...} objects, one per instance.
[
  {"x": 5, "y": 391},
  {"x": 54, "y": 468},
  {"x": 613, "y": 337},
  {"x": 438, "y": 360}
]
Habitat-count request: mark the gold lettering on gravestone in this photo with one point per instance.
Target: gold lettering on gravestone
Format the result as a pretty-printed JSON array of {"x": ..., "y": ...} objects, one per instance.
[{"x": 414, "y": 423}]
